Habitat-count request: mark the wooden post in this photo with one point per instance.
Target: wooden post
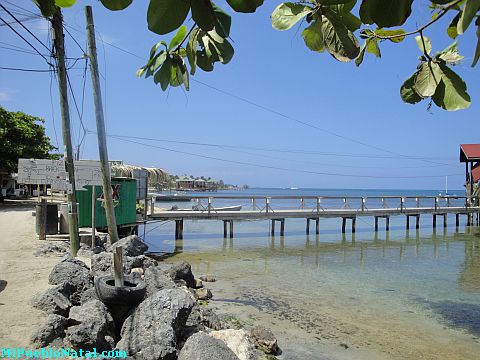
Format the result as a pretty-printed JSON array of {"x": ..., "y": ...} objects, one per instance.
[
  {"x": 408, "y": 223},
  {"x": 354, "y": 221},
  {"x": 282, "y": 227},
  {"x": 181, "y": 229},
  {"x": 224, "y": 228},
  {"x": 344, "y": 221},
  {"x": 58, "y": 40},
  {"x": 101, "y": 133},
  {"x": 317, "y": 226},
  {"x": 457, "y": 220},
  {"x": 231, "y": 229},
  {"x": 94, "y": 203},
  {"x": 376, "y": 223},
  {"x": 444, "y": 220},
  {"x": 42, "y": 220},
  {"x": 417, "y": 224},
  {"x": 273, "y": 227},
  {"x": 152, "y": 205},
  {"x": 434, "y": 221},
  {"x": 307, "y": 229},
  {"x": 387, "y": 223},
  {"x": 118, "y": 266}
]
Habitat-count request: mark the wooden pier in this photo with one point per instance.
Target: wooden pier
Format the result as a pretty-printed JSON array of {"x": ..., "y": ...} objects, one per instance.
[{"x": 313, "y": 208}]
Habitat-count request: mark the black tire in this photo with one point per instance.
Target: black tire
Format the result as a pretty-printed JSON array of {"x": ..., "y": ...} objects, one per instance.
[{"x": 131, "y": 293}]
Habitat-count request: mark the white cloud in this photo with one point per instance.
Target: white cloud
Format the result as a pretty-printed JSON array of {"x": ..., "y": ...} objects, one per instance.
[{"x": 5, "y": 95}]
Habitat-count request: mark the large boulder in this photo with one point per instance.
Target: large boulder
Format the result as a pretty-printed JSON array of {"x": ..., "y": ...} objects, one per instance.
[
  {"x": 150, "y": 332},
  {"x": 202, "y": 346},
  {"x": 102, "y": 263},
  {"x": 52, "y": 329},
  {"x": 132, "y": 246},
  {"x": 238, "y": 341},
  {"x": 265, "y": 340},
  {"x": 156, "y": 279},
  {"x": 211, "y": 320},
  {"x": 92, "y": 327},
  {"x": 55, "y": 300},
  {"x": 182, "y": 271},
  {"x": 75, "y": 272}
]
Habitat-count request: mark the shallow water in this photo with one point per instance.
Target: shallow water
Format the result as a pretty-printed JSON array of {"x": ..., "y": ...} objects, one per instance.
[{"x": 400, "y": 295}]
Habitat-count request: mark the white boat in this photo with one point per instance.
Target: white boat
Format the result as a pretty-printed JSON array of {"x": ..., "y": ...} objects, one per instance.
[{"x": 197, "y": 208}]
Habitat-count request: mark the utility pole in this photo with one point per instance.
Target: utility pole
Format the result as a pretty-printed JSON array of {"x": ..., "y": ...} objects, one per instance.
[
  {"x": 58, "y": 41},
  {"x": 102, "y": 138}
]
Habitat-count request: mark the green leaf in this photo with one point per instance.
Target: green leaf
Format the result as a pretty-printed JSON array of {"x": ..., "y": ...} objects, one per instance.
[
  {"x": 176, "y": 77},
  {"x": 288, "y": 14},
  {"x": 178, "y": 38},
  {"x": 164, "y": 16},
  {"x": 468, "y": 13},
  {"x": 47, "y": 7},
  {"x": 116, "y": 4},
  {"x": 407, "y": 91},
  {"x": 65, "y": 3},
  {"x": 372, "y": 47},
  {"x": 361, "y": 55},
  {"x": 159, "y": 60},
  {"x": 336, "y": 2},
  {"x": 385, "y": 13},
  {"x": 192, "y": 50},
  {"x": 245, "y": 6},
  {"x": 451, "y": 93},
  {"x": 339, "y": 41},
  {"x": 427, "y": 79},
  {"x": 452, "y": 28},
  {"x": 424, "y": 45},
  {"x": 223, "y": 22},
  {"x": 343, "y": 7},
  {"x": 203, "y": 61},
  {"x": 313, "y": 36},
  {"x": 163, "y": 75},
  {"x": 141, "y": 71},
  {"x": 397, "y": 39},
  {"x": 477, "y": 49},
  {"x": 203, "y": 14},
  {"x": 450, "y": 54},
  {"x": 155, "y": 47},
  {"x": 352, "y": 22}
]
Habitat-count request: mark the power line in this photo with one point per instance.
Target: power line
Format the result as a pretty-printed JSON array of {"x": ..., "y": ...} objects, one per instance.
[
  {"x": 22, "y": 8},
  {"x": 21, "y": 24},
  {"x": 21, "y": 36},
  {"x": 25, "y": 70},
  {"x": 282, "y": 168}
]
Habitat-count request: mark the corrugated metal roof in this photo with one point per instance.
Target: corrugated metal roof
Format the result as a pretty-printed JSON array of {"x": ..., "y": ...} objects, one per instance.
[{"x": 469, "y": 152}]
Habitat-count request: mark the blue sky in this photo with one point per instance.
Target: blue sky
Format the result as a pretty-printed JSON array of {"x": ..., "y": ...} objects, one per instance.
[{"x": 359, "y": 134}]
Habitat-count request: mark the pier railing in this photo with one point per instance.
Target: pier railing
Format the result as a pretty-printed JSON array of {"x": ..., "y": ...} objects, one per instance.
[{"x": 319, "y": 204}]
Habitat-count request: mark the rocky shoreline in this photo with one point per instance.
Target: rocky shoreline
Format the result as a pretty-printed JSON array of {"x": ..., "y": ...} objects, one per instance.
[{"x": 171, "y": 322}]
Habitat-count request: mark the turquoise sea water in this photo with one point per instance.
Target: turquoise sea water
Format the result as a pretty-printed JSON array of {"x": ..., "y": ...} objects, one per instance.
[{"x": 332, "y": 289}]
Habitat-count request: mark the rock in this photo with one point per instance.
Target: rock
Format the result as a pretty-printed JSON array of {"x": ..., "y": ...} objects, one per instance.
[
  {"x": 53, "y": 328},
  {"x": 142, "y": 261},
  {"x": 151, "y": 331},
  {"x": 182, "y": 270},
  {"x": 198, "y": 284},
  {"x": 203, "y": 294},
  {"x": 211, "y": 319},
  {"x": 58, "y": 248},
  {"x": 87, "y": 295},
  {"x": 137, "y": 270},
  {"x": 208, "y": 278},
  {"x": 132, "y": 246},
  {"x": 265, "y": 340},
  {"x": 102, "y": 264},
  {"x": 75, "y": 272},
  {"x": 238, "y": 341},
  {"x": 55, "y": 300},
  {"x": 92, "y": 327},
  {"x": 193, "y": 325},
  {"x": 156, "y": 280},
  {"x": 87, "y": 251},
  {"x": 181, "y": 282},
  {"x": 202, "y": 346}
]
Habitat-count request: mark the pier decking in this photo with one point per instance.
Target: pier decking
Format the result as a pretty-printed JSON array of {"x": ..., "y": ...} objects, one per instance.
[{"x": 313, "y": 208}]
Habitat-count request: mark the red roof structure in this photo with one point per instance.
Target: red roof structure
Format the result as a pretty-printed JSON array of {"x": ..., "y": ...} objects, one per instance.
[
  {"x": 476, "y": 172},
  {"x": 469, "y": 152}
]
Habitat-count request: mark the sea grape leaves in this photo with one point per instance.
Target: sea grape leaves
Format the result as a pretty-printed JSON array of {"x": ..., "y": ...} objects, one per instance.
[
  {"x": 451, "y": 93},
  {"x": 385, "y": 13},
  {"x": 477, "y": 48},
  {"x": 427, "y": 79},
  {"x": 408, "y": 93},
  {"x": 115, "y": 5},
  {"x": 288, "y": 14},
  {"x": 245, "y": 6},
  {"x": 164, "y": 16},
  {"x": 424, "y": 44},
  {"x": 65, "y": 3},
  {"x": 468, "y": 13},
  {"x": 203, "y": 14},
  {"x": 313, "y": 36},
  {"x": 339, "y": 41}
]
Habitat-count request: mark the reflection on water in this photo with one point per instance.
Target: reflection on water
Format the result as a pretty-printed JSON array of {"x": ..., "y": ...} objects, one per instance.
[{"x": 469, "y": 279}]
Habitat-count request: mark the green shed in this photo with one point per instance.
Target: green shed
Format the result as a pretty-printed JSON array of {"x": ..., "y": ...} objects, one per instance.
[{"x": 124, "y": 192}]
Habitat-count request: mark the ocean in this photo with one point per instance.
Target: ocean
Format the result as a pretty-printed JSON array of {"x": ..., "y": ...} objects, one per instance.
[{"x": 387, "y": 295}]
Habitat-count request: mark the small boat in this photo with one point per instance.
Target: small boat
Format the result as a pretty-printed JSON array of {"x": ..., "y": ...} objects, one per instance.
[
  {"x": 172, "y": 197},
  {"x": 197, "y": 208}
]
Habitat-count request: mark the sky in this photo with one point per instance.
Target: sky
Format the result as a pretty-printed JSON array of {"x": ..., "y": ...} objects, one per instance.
[{"x": 278, "y": 115}]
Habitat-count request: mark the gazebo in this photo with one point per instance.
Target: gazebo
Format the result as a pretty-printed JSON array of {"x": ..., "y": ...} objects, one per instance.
[{"x": 470, "y": 155}]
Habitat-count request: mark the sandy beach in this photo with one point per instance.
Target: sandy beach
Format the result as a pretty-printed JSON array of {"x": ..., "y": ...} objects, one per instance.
[{"x": 22, "y": 274}]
